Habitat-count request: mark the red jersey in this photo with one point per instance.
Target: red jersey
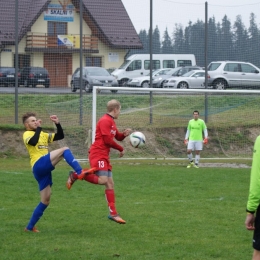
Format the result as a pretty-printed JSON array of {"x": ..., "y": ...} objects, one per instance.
[{"x": 106, "y": 131}]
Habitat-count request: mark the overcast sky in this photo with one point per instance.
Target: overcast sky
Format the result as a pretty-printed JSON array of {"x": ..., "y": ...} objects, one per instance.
[{"x": 168, "y": 13}]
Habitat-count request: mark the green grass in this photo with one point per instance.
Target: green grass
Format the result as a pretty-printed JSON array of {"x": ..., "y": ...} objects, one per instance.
[{"x": 171, "y": 213}]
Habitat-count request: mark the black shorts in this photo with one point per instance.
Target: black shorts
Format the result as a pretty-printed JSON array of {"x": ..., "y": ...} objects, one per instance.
[{"x": 256, "y": 237}]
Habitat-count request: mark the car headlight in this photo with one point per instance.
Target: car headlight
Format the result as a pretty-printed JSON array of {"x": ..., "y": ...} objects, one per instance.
[
  {"x": 95, "y": 81},
  {"x": 156, "y": 80}
]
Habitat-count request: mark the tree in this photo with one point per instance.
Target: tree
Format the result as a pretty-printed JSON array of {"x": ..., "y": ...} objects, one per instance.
[
  {"x": 197, "y": 41},
  {"x": 240, "y": 39},
  {"x": 212, "y": 40},
  {"x": 178, "y": 39},
  {"x": 253, "y": 42},
  {"x": 166, "y": 43}
]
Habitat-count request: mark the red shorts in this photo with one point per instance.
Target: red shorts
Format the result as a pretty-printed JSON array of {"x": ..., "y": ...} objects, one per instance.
[{"x": 101, "y": 163}]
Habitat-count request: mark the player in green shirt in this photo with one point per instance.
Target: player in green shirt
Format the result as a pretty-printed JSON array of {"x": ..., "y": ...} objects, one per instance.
[
  {"x": 194, "y": 138},
  {"x": 252, "y": 221}
]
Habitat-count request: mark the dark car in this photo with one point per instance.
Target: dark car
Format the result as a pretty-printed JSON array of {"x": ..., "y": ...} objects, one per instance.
[
  {"x": 33, "y": 76},
  {"x": 93, "y": 76},
  {"x": 7, "y": 76}
]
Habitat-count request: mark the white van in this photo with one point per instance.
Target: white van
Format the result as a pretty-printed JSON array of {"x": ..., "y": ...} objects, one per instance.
[{"x": 139, "y": 65}]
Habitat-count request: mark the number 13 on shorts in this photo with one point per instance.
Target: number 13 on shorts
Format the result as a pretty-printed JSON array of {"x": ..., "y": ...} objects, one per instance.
[{"x": 101, "y": 164}]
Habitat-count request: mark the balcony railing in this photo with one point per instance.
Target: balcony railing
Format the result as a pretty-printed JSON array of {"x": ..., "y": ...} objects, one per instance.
[{"x": 71, "y": 41}]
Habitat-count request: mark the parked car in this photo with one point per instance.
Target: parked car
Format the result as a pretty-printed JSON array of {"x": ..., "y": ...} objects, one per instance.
[
  {"x": 33, "y": 76},
  {"x": 143, "y": 82},
  {"x": 191, "y": 79},
  {"x": 228, "y": 74},
  {"x": 93, "y": 76},
  {"x": 7, "y": 76},
  {"x": 176, "y": 72}
]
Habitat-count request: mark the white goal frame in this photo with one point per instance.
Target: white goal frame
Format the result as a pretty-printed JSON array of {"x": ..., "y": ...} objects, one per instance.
[{"x": 97, "y": 89}]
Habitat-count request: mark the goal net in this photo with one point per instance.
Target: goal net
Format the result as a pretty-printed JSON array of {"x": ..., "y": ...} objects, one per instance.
[{"x": 232, "y": 118}]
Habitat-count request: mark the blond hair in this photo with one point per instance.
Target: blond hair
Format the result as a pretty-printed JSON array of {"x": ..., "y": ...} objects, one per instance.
[{"x": 112, "y": 104}]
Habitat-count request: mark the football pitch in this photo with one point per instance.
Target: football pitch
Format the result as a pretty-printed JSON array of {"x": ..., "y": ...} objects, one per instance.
[{"x": 172, "y": 213}]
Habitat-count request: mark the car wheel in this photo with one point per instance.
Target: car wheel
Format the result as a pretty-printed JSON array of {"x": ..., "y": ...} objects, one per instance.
[
  {"x": 88, "y": 88},
  {"x": 123, "y": 82},
  {"x": 145, "y": 84},
  {"x": 183, "y": 85},
  {"x": 113, "y": 91},
  {"x": 73, "y": 89},
  {"x": 220, "y": 84}
]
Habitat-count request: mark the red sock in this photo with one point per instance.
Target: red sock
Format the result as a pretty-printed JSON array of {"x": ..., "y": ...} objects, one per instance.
[
  {"x": 75, "y": 175},
  {"x": 92, "y": 178},
  {"x": 110, "y": 196}
]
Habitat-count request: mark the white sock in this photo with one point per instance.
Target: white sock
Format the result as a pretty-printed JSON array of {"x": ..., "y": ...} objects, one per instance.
[
  {"x": 190, "y": 157},
  {"x": 197, "y": 158}
]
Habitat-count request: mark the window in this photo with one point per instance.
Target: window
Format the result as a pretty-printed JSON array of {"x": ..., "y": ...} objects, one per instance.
[
  {"x": 156, "y": 65},
  {"x": 57, "y": 28},
  {"x": 169, "y": 64},
  {"x": 213, "y": 66},
  {"x": 135, "y": 65},
  {"x": 247, "y": 68},
  {"x": 181, "y": 63},
  {"x": 231, "y": 67},
  {"x": 93, "y": 61}
]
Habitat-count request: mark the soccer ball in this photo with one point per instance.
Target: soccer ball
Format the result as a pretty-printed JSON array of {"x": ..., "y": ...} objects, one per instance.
[{"x": 137, "y": 139}]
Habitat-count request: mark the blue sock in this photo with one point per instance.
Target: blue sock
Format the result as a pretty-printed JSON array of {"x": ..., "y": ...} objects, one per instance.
[
  {"x": 36, "y": 215},
  {"x": 69, "y": 158}
]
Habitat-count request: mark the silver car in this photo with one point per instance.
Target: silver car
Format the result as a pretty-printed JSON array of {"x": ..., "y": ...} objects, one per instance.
[
  {"x": 93, "y": 76},
  {"x": 143, "y": 82},
  {"x": 191, "y": 79},
  {"x": 158, "y": 81},
  {"x": 237, "y": 74}
]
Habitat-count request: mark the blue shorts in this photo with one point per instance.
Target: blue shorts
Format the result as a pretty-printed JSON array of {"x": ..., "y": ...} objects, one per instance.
[{"x": 42, "y": 171}]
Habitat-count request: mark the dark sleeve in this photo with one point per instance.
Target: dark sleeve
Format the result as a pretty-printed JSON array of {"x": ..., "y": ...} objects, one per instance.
[
  {"x": 34, "y": 139},
  {"x": 59, "y": 135},
  {"x": 111, "y": 143}
]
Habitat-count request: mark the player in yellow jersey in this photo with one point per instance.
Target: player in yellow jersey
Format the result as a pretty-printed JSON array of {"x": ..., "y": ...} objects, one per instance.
[
  {"x": 43, "y": 162},
  {"x": 194, "y": 138}
]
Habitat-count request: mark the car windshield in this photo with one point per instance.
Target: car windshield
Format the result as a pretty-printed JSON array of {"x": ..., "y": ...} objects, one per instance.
[
  {"x": 97, "y": 72},
  {"x": 213, "y": 66},
  {"x": 188, "y": 74},
  {"x": 125, "y": 64},
  {"x": 171, "y": 71},
  {"x": 9, "y": 70}
]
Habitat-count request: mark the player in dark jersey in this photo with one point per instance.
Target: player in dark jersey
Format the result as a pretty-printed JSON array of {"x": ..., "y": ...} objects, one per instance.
[{"x": 106, "y": 131}]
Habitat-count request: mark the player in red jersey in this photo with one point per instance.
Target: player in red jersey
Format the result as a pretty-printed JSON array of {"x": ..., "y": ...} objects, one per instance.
[{"x": 106, "y": 131}]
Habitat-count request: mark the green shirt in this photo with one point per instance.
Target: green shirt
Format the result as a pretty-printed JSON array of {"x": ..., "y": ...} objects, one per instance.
[
  {"x": 254, "y": 189},
  {"x": 196, "y": 127}
]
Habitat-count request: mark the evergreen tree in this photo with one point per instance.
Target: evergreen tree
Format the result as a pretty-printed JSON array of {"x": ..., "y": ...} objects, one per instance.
[
  {"x": 156, "y": 41},
  {"x": 253, "y": 42},
  {"x": 240, "y": 43},
  {"x": 225, "y": 41},
  {"x": 166, "y": 43},
  {"x": 197, "y": 42},
  {"x": 178, "y": 40},
  {"x": 212, "y": 40}
]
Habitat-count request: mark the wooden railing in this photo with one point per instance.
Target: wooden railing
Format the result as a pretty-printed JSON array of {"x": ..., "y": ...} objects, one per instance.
[{"x": 37, "y": 40}]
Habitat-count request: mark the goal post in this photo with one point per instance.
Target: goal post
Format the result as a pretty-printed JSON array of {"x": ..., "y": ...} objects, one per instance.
[{"x": 232, "y": 118}]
